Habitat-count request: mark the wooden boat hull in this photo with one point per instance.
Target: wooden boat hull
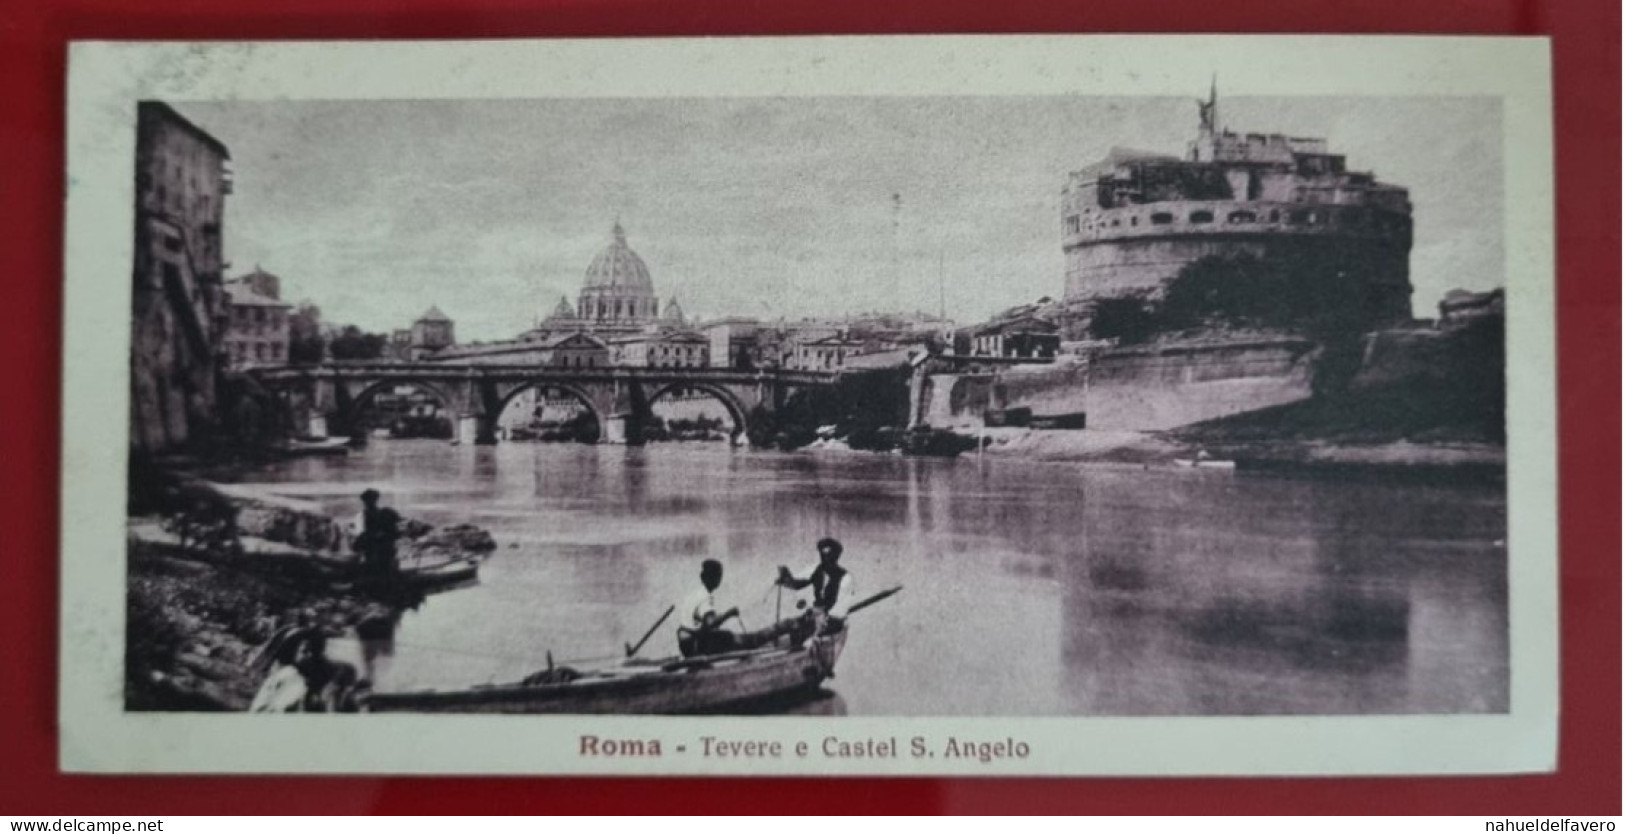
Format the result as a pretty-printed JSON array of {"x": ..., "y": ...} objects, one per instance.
[
  {"x": 1221, "y": 465},
  {"x": 308, "y": 448},
  {"x": 672, "y": 687},
  {"x": 449, "y": 573}
]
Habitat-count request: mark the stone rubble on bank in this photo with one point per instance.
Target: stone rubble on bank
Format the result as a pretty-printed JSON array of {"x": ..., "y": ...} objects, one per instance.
[{"x": 196, "y": 621}]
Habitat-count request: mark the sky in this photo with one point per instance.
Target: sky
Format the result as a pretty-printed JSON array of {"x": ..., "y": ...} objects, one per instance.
[{"x": 792, "y": 207}]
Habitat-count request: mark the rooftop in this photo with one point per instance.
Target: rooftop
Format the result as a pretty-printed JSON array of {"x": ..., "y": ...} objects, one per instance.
[
  {"x": 241, "y": 295},
  {"x": 163, "y": 111}
]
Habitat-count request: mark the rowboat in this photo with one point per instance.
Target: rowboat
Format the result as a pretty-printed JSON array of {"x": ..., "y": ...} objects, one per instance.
[
  {"x": 706, "y": 684},
  {"x": 439, "y": 576},
  {"x": 323, "y": 446},
  {"x": 442, "y": 573},
  {"x": 1205, "y": 463}
]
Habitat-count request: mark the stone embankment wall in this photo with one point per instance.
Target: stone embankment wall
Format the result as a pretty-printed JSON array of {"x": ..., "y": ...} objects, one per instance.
[
  {"x": 1139, "y": 389},
  {"x": 1156, "y": 388},
  {"x": 1397, "y": 356}
]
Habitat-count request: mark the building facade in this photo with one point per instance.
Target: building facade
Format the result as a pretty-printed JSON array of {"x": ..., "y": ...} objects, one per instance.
[
  {"x": 1024, "y": 337},
  {"x": 734, "y": 343},
  {"x": 824, "y": 353},
  {"x": 661, "y": 349},
  {"x": 433, "y": 331},
  {"x": 576, "y": 350},
  {"x": 400, "y": 344},
  {"x": 258, "y": 332},
  {"x": 1131, "y": 222},
  {"x": 178, "y": 311}
]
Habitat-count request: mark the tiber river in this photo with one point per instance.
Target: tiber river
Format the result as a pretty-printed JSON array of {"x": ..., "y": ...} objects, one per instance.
[{"x": 1029, "y": 589}]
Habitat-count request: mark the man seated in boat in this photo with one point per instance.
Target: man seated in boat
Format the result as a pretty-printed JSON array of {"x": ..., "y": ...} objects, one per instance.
[
  {"x": 700, "y": 626},
  {"x": 832, "y": 591}
]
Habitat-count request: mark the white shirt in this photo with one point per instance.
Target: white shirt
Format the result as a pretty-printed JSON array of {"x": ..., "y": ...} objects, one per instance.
[
  {"x": 283, "y": 691},
  {"x": 692, "y": 610}
]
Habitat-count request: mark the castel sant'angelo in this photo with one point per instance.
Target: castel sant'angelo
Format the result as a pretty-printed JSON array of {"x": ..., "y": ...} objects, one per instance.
[{"x": 1132, "y": 221}]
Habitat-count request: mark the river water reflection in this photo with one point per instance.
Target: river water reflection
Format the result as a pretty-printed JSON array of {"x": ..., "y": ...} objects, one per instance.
[{"x": 1030, "y": 589}]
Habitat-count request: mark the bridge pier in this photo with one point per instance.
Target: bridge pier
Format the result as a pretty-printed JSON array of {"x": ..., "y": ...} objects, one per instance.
[
  {"x": 315, "y": 424},
  {"x": 475, "y": 429}
]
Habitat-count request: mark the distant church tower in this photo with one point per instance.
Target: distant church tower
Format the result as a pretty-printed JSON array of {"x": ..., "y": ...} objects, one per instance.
[{"x": 674, "y": 313}]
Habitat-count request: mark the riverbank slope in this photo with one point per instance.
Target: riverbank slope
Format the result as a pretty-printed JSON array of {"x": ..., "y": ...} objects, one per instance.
[
  {"x": 1390, "y": 427},
  {"x": 198, "y": 615}
]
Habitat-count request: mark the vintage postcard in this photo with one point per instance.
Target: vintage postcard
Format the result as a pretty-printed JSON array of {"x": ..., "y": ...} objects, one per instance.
[{"x": 935, "y": 406}]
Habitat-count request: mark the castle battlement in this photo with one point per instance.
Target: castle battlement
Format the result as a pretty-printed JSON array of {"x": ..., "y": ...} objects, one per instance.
[{"x": 1133, "y": 220}]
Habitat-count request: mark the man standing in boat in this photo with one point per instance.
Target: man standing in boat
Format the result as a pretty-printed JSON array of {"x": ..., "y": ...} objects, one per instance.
[
  {"x": 700, "y": 625},
  {"x": 832, "y": 588},
  {"x": 380, "y": 527}
]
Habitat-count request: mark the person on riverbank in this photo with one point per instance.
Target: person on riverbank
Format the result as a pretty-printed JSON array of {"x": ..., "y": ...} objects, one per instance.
[
  {"x": 832, "y": 589},
  {"x": 302, "y": 678},
  {"x": 380, "y": 528},
  {"x": 700, "y": 624}
]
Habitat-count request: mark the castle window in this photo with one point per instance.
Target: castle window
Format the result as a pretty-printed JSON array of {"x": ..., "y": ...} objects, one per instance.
[
  {"x": 1162, "y": 218},
  {"x": 1134, "y": 221},
  {"x": 1275, "y": 215},
  {"x": 1072, "y": 224},
  {"x": 1298, "y": 217},
  {"x": 1242, "y": 217},
  {"x": 1201, "y": 217}
]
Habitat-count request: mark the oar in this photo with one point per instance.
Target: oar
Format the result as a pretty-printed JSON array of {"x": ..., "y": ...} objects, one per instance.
[
  {"x": 632, "y": 650},
  {"x": 868, "y": 601}
]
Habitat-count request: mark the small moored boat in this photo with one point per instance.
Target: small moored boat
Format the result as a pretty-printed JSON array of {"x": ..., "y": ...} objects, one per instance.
[
  {"x": 442, "y": 573},
  {"x": 704, "y": 684},
  {"x": 1188, "y": 463},
  {"x": 308, "y": 447}
]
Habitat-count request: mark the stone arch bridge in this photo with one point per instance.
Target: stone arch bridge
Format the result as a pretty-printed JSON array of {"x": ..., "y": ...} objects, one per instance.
[{"x": 332, "y": 397}]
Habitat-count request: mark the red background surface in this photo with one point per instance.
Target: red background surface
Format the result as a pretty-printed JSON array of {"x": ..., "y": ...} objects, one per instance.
[{"x": 33, "y": 38}]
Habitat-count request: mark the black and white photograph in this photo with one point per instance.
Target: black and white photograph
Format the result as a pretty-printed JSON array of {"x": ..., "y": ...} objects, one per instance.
[{"x": 818, "y": 408}]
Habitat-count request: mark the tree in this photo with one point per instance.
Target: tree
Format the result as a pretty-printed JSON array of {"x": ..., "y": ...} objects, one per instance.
[
  {"x": 1224, "y": 292},
  {"x": 1319, "y": 294},
  {"x": 305, "y": 345},
  {"x": 1127, "y": 319},
  {"x": 857, "y": 402},
  {"x": 351, "y": 343}
]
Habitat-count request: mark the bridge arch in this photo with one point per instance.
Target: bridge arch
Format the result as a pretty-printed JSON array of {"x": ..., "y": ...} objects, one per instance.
[
  {"x": 352, "y": 411},
  {"x": 577, "y": 392},
  {"x": 730, "y": 401}
]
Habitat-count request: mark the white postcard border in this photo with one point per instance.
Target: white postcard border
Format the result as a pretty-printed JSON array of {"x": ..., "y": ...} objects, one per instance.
[{"x": 107, "y": 79}]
